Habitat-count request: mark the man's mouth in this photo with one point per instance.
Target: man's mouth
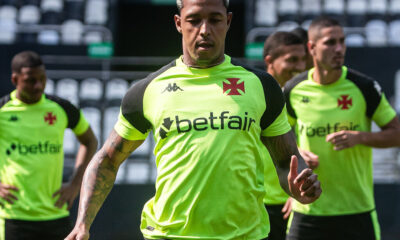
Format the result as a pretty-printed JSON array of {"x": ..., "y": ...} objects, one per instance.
[{"x": 204, "y": 45}]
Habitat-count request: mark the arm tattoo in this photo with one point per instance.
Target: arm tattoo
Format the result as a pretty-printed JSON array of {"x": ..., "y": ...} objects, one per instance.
[{"x": 99, "y": 177}]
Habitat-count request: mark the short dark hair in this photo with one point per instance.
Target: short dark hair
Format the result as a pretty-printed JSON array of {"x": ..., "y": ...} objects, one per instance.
[
  {"x": 275, "y": 41},
  {"x": 321, "y": 22},
  {"x": 25, "y": 59},
  {"x": 301, "y": 33},
  {"x": 179, "y": 4}
]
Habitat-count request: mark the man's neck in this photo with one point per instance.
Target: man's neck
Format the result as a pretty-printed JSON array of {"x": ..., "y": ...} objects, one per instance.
[
  {"x": 325, "y": 77},
  {"x": 202, "y": 64}
]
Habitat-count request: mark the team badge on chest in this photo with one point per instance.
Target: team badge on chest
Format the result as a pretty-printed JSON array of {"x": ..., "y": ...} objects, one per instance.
[
  {"x": 233, "y": 86},
  {"x": 50, "y": 118},
  {"x": 345, "y": 102}
]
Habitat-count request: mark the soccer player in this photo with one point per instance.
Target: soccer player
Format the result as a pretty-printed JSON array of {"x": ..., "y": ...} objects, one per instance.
[
  {"x": 303, "y": 35},
  {"x": 34, "y": 202},
  {"x": 284, "y": 56},
  {"x": 210, "y": 117},
  {"x": 332, "y": 107}
]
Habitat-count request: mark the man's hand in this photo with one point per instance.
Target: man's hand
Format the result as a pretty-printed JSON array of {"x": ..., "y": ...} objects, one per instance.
[
  {"x": 78, "y": 234},
  {"x": 67, "y": 194},
  {"x": 343, "y": 139},
  {"x": 7, "y": 194},
  {"x": 305, "y": 186},
  {"x": 287, "y": 208},
  {"x": 310, "y": 158}
]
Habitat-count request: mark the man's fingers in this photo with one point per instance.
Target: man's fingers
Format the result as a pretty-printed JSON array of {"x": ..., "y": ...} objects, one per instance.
[
  {"x": 293, "y": 167},
  {"x": 303, "y": 175},
  {"x": 308, "y": 182},
  {"x": 9, "y": 187},
  {"x": 57, "y": 193},
  {"x": 313, "y": 191}
]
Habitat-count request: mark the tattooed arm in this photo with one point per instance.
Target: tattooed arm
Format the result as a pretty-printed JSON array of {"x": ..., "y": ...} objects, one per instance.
[
  {"x": 98, "y": 181},
  {"x": 305, "y": 186}
]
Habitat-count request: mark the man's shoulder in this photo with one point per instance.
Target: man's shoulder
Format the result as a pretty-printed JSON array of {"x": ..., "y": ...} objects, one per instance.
[
  {"x": 5, "y": 99},
  {"x": 292, "y": 83},
  {"x": 261, "y": 74}
]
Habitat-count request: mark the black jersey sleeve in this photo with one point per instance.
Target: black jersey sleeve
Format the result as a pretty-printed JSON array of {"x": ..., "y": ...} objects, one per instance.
[
  {"x": 288, "y": 88},
  {"x": 132, "y": 103},
  {"x": 4, "y": 100},
  {"x": 370, "y": 89},
  {"x": 73, "y": 113}
]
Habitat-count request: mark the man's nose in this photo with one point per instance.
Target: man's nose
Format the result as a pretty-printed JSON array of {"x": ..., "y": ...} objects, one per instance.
[{"x": 204, "y": 28}]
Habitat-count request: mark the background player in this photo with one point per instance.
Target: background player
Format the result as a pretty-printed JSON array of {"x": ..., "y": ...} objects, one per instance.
[
  {"x": 284, "y": 56},
  {"x": 333, "y": 107},
  {"x": 34, "y": 203},
  {"x": 209, "y": 152}
]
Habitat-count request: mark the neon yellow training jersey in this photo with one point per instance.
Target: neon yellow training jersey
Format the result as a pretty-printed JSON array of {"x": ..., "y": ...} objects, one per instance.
[
  {"x": 350, "y": 103},
  {"x": 207, "y": 125},
  {"x": 31, "y": 153}
]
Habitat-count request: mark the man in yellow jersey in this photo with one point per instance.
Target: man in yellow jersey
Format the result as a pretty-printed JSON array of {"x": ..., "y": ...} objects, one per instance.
[
  {"x": 211, "y": 117},
  {"x": 34, "y": 202},
  {"x": 332, "y": 108},
  {"x": 284, "y": 56}
]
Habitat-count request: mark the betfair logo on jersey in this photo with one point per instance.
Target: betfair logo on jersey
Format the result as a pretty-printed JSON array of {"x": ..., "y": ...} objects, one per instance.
[
  {"x": 212, "y": 121},
  {"x": 39, "y": 148},
  {"x": 322, "y": 131}
]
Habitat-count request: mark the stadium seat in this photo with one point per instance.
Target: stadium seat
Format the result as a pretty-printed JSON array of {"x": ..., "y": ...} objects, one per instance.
[
  {"x": 96, "y": 12},
  {"x": 397, "y": 92},
  {"x": 70, "y": 142},
  {"x": 355, "y": 40},
  {"x": 110, "y": 118},
  {"x": 68, "y": 88},
  {"x": 394, "y": 9},
  {"x": 376, "y": 33},
  {"x": 93, "y": 37},
  {"x": 356, "y": 12},
  {"x": 93, "y": 116},
  {"x": 116, "y": 89},
  {"x": 287, "y": 26},
  {"x": 52, "y": 11},
  {"x": 48, "y": 37},
  {"x": 306, "y": 24},
  {"x": 71, "y": 32},
  {"x": 29, "y": 14},
  {"x": 49, "y": 87},
  {"x": 8, "y": 30},
  {"x": 335, "y": 9},
  {"x": 288, "y": 10},
  {"x": 137, "y": 172},
  {"x": 265, "y": 13},
  {"x": 91, "y": 89},
  {"x": 394, "y": 33},
  {"x": 310, "y": 9},
  {"x": 8, "y": 12},
  {"x": 377, "y": 9}
]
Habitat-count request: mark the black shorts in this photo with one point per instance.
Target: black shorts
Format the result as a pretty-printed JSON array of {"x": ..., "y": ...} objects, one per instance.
[
  {"x": 277, "y": 223},
  {"x": 56, "y": 229},
  {"x": 363, "y": 226}
]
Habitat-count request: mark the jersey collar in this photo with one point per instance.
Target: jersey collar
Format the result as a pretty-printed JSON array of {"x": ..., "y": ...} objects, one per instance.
[
  {"x": 216, "y": 68},
  {"x": 341, "y": 78},
  {"x": 16, "y": 101}
]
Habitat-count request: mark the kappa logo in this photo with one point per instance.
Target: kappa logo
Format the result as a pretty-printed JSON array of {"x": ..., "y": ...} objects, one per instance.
[
  {"x": 50, "y": 118},
  {"x": 305, "y": 99},
  {"x": 13, "y": 118},
  {"x": 172, "y": 88},
  {"x": 344, "y": 102},
  {"x": 233, "y": 86}
]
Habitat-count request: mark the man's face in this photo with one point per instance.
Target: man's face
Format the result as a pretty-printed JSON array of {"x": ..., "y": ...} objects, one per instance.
[
  {"x": 203, "y": 24},
  {"x": 329, "y": 49},
  {"x": 288, "y": 64},
  {"x": 30, "y": 83}
]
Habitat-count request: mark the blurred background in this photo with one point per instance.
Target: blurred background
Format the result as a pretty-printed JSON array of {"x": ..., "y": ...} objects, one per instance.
[{"x": 95, "y": 49}]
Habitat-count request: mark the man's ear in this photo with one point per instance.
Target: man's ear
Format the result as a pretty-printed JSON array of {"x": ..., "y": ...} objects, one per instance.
[
  {"x": 178, "y": 22},
  {"x": 229, "y": 19},
  {"x": 14, "y": 79},
  {"x": 311, "y": 47},
  {"x": 268, "y": 60}
]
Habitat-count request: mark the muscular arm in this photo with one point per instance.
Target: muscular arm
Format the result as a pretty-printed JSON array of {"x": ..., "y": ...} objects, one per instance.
[
  {"x": 389, "y": 136},
  {"x": 281, "y": 148},
  {"x": 69, "y": 191},
  {"x": 99, "y": 178}
]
